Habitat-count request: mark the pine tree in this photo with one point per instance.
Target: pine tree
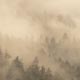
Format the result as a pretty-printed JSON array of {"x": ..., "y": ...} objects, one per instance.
[
  {"x": 42, "y": 73},
  {"x": 49, "y": 75},
  {"x": 33, "y": 71},
  {"x": 16, "y": 70}
]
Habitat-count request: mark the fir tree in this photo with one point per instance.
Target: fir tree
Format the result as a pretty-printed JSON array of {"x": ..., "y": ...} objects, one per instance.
[
  {"x": 33, "y": 70},
  {"x": 16, "y": 70},
  {"x": 42, "y": 73},
  {"x": 49, "y": 75}
]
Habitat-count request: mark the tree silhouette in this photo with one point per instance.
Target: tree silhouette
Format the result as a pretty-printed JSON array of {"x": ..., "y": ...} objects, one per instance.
[
  {"x": 42, "y": 73},
  {"x": 16, "y": 70},
  {"x": 49, "y": 75},
  {"x": 35, "y": 72}
]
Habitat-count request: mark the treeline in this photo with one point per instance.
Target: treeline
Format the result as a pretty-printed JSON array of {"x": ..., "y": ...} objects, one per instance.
[
  {"x": 14, "y": 70},
  {"x": 33, "y": 72}
]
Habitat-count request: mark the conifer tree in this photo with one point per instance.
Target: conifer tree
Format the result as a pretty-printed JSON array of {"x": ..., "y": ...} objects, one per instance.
[
  {"x": 33, "y": 70},
  {"x": 16, "y": 70},
  {"x": 42, "y": 73}
]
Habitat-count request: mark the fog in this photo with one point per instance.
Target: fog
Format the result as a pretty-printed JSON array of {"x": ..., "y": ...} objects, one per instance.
[{"x": 24, "y": 24}]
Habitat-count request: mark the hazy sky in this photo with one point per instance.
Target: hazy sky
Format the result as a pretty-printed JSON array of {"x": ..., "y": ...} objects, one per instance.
[
  {"x": 15, "y": 20},
  {"x": 19, "y": 27}
]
